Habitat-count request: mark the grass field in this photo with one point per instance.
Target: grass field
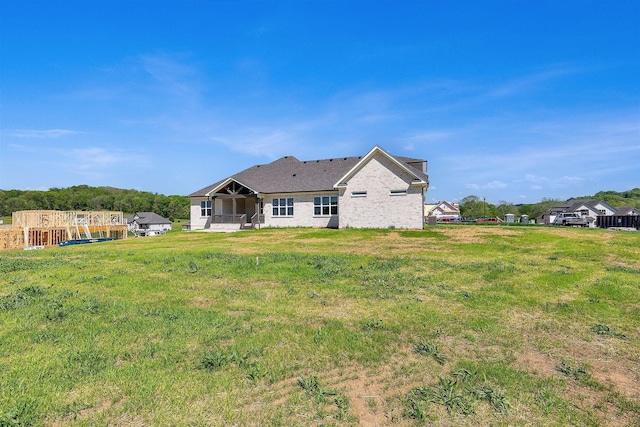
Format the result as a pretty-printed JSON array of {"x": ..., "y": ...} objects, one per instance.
[{"x": 454, "y": 325}]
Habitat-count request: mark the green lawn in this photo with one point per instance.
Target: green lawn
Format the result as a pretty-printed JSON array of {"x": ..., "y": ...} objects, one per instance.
[{"x": 453, "y": 325}]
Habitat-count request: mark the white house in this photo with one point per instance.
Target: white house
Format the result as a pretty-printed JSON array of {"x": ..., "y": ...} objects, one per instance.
[
  {"x": 377, "y": 190},
  {"x": 588, "y": 209},
  {"x": 443, "y": 211},
  {"x": 148, "y": 224}
]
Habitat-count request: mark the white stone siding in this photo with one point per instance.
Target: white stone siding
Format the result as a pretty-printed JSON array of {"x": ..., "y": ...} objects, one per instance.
[
  {"x": 197, "y": 222},
  {"x": 379, "y": 208},
  {"x": 302, "y": 211}
]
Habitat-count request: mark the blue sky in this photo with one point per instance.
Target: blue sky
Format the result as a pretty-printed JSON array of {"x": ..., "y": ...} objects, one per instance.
[{"x": 509, "y": 100}]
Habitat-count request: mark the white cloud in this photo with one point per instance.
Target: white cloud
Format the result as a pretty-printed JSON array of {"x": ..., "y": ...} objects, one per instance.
[
  {"x": 48, "y": 133},
  {"x": 172, "y": 74},
  {"x": 530, "y": 82},
  {"x": 429, "y": 136},
  {"x": 488, "y": 186}
]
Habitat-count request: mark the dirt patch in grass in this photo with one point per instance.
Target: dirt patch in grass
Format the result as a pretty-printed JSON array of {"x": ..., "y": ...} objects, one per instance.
[
  {"x": 88, "y": 413},
  {"x": 360, "y": 392},
  {"x": 476, "y": 234},
  {"x": 597, "y": 405},
  {"x": 387, "y": 242},
  {"x": 202, "y": 302},
  {"x": 613, "y": 260},
  {"x": 621, "y": 378},
  {"x": 537, "y": 363},
  {"x": 370, "y": 392}
]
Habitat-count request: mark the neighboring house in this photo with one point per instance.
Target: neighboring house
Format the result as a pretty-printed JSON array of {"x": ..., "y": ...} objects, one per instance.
[
  {"x": 376, "y": 190},
  {"x": 625, "y": 218},
  {"x": 628, "y": 211},
  {"x": 443, "y": 211},
  {"x": 587, "y": 209},
  {"x": 148, "y": 224}
]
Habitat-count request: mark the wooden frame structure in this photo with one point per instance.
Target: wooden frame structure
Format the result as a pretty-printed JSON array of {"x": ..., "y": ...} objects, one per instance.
[{"x": 42, "y": 228}]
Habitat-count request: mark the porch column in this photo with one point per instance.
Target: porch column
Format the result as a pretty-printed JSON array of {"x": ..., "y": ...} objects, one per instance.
[{"x": 233, "y": 203}]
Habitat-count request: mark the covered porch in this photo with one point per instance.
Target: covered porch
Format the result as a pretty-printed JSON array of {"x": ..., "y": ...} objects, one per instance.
[{"x": 234, "y": 204}]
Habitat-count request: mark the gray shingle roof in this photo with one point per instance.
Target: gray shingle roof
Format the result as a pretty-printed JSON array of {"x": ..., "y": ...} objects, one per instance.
[
  {"x": 288, "y": 175},
  {"x": 573, "y": 205},
  {"x": 627, "y": 210},
  {"x": 150, "y": 218}
]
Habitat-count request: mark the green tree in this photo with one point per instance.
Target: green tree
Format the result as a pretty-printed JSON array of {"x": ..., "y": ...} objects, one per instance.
[{"x": 504, "y": 208}]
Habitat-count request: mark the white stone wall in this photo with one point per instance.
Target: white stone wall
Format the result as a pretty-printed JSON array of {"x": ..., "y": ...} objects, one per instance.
[
  {"x": 302, "y": 211},
  {"x": 197, "y": 222},
  {"x": 379, "y": 208}
]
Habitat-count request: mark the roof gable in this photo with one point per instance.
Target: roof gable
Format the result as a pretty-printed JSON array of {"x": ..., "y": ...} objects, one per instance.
[
  {"x": 446, "y": 205},
  {"x": 419, "y": 177},
  {"x": 591, "y": 204}
]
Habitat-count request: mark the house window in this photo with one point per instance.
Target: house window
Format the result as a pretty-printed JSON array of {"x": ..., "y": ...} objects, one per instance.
[
  {"x": 283, "y": 206},
  {"x": 205, "y": 208},
  {"x": 325, "y": 205},
  {"x": 358, "y": 194},
  {"x": 398, "y": 192}
]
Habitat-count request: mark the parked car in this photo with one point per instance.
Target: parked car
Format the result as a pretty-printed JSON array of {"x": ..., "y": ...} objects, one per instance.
[
  {"x": 572, "y": 219},
  {"x": 448, "y": 219},
  {"x": 485, "y": 219}
]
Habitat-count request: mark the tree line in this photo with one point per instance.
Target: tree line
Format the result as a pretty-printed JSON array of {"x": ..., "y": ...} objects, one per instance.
[
  {"x": 85, "y": 198},
  {"x": 473, "y": 207}
]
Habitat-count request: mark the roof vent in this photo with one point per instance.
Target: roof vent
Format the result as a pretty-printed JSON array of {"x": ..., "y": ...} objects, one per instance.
[
  {"x": 345, "y": 158},
  {"x": 331, "y": 160},
  {"x": 293, "y": 174}
]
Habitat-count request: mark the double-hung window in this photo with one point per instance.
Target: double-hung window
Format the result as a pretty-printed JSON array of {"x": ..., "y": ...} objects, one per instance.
[
  {"x": 205, "y": 208},
  {"x": 325, "y": 205},
  {"x": 283, "y": 206}
]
